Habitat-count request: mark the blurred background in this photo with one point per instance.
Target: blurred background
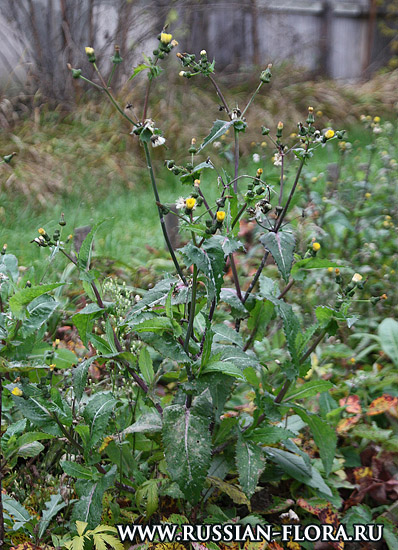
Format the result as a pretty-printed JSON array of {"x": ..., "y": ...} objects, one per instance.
[{"x": 74, "y": 152}]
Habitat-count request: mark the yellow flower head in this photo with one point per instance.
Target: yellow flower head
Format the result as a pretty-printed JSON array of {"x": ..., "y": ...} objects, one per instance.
[
  {"x": 376, "y": 119},
  {"x": 316, "y": 246},
  {"x": 352, "y": 360},
  {"x": 70, "y": 237},
  {"x": 165, "y": 38},
  {"x": 383, "y": 297},
  {"x": 174, "y": 43},
  {"x": 196, "y": 183},
  {"x": 293, "y": 135},
  {"x": 329, "y": 134},
  {"x": 56, "y": 342},
  {"x": 319, "y": 113},
  {"x": 190, "y": 203},
  {"x": 89, "y": 50},
  {"x": 337, "y": 271},
  {"x": 41, "y": 231},
  {"x": 16, "y": 391},
  {"x": 330, "y": 269},
  {"x": 356, "y": 278},
  {"x": 259, "y": 172},
  {"x": 368, "y": 195},
  {"x": 310, "y": 109},
  {"x": 52, "y": 366},
  {"x": 280, "y": 125},
  {"x": 220, "y": 216},
  {"x": 263, "y": 144}
]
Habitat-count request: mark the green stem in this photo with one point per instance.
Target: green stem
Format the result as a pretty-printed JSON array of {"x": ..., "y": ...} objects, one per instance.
[
  {"x": 252, "y": 98},
  {"x": 161, "y": 218}
]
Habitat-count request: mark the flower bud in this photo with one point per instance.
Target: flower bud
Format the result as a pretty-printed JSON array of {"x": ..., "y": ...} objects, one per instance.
[
  {"x": 279, "y": 129},
  {"x": 265, "y": 131},
  {"x": 4, "y": 249},
  {"x": 62, "y": 221},
  {"x": 265, "y": 76},
  {"x": 90, "y": 54},
  {"x": 116, "y": 58},
  {"x": 7, "y": 158}
]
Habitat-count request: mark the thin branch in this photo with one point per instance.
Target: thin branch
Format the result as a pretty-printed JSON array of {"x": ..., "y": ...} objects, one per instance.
[{"x": 256, "y": 276}]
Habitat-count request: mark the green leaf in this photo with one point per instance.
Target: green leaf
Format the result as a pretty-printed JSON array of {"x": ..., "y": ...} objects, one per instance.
[
  {"x": 78, "y": 471},
  {"x": 313, "y": 263},
  {"x": 29, "y": 450},
  {"x": 79, "y": 377},
  {"x": 295, "y": 467},
  {"x": 149, "y": 422},
  {"x": 146, "y": 366},
  {"x": 250, "y": 462},
  {"x": 219, "y": 128},
  {"x": 37, "y": 413},
  {"x": 270, "y": 435},
  {"x": 138, "y": 69},
  {"x": 157, "y": 325},
  {"x": 230, "y": 245},
  {"x": 51, "y": 509},
  {"x": 97, "y": 414},
  {"x": 281, "y": 245},
  {"x": 39, "y": 311},
  {"x": 324, "y": 436},
  {"x": 357, "y": 514},
  {"x": 89, "y": 507},
  {"x": 153, "y": 297},
  {"x": 27, "y": 295},
  {"x": 308, "y": 389},
  {"x": 388, "y": 334},
  {"x": 84, "y": 257},
  {"x": 187, "y": 445},
  {"x": 225, "y": 368},
  {"x": 13, "y": 508},
  {"x": 147, "y": 497},
  {"x": 9, "y": 266},
  {"x": 83, "y": 320}
]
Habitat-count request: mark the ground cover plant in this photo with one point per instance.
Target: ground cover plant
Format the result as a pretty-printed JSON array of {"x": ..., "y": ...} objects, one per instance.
[{"x": 227, "y": 390}]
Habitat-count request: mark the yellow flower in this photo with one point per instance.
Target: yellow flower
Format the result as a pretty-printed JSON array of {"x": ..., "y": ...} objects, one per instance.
[
  {"x": 319, "y": 113},
  {"x": 376, "y": 119},
  {"x": 330, "y": 269},
  {"x": 329, "y": 134},
  {"x": 368, "y": 195},
  {"x": 220, "y": 216},
  {"x": 356, "y": 278},
  {"x": 259, "y": 172},
  {"x": 280, "y": 125},
  {"x": 383, "y": 297},
  {"x": 41, "y": 231},
  {"x": 293, "y": 135},
  {"x": 105, "y": 443},
  {"x": 165, "y": 38},
  {"x": 310, "y": 109},
  {"x": 263, "y": 144},
  {"x": 174, "y": 43},
  {"x": 337, "y": 271},
  {"x": 190, "y": 203},
  {"x": 16, "y": 391},
  {"x": 56, "y": 342},
  {"x": 196, "y": 183},
  {"x": 89, "y": 51},
  {"x": 52, "y": 366},
  {"x": 70, "y": 237},
  {"x": 316, "y": 246},
  {"x": 352, "y": 360}
]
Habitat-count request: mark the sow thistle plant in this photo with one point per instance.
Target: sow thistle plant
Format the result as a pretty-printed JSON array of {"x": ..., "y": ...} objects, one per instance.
[{"x": 229, "y": 415}]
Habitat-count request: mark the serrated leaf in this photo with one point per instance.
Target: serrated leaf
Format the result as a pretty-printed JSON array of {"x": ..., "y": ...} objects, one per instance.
[
  {"x": 147, "y": 497},
  {"x": 51, "y": 509},
  {"x": 149, "y": 422},
  {"x": 83, "y": 320},
  {"x": 89, "y": 506},
  {"x": 146, "y": 366},
  {"x": 270, "y": 435},
  {"x": 187, "y": 445},
  {"x": 23, "y": 297},
  {"x": 19, "y": 514},
  {"x": 388, "y": 334},
  {"x": 219, "y": 128},
  {"x": 79, "y": 377},
  {"x": 153, "y": 297},
  {"x": 224, "y": 367},
  {"x": 97, "y": 414},
  {"x": 157, "y": 325},
  {"x": 39, "y": 311},
  {"x": 281, "y": 245},
  {"x": 38, "y": 414},
  {"x": 9, "y": 266},
  {"x": 250, "y": 462}
]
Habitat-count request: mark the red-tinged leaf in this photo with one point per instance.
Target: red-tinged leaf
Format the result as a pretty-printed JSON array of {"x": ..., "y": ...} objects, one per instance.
[
  {"x": 325, "y": 514},
  {"x": 347, "y": 423},
  {"x": 351, "y": 404},
  {"x": 274, "y": 546},
  {"x": 383, "y": 404}
]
